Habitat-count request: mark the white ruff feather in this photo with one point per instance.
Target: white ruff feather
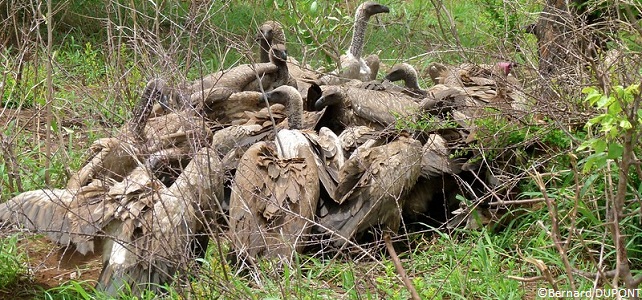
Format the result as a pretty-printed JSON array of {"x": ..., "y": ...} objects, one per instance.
[
  {"x": 289, "y": 142},
  {"x": 118, "y": 254}
]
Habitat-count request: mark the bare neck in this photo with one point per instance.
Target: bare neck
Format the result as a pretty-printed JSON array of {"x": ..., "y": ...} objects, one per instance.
[
  {"x": 358, "y": 33},
  {"x": 295, "y": 113}
]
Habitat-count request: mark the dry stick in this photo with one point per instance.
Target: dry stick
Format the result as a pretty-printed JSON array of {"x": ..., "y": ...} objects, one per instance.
[
  {"x": 555, "y": 233},
  {"x": 573, "y": 214},
  {"x": 49, "y": 93},
  {"x": 399, "y": 267},
  {"x": 525, "y": 279}
]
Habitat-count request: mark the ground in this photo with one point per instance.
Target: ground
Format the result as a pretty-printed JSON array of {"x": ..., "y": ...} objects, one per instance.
[{"x": 50, "y": 265}]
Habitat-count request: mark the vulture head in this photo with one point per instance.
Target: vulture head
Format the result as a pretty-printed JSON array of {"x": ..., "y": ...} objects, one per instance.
[
  {"x": 270, "y": 33},
  {"x": 438, "y": 72},
  {"x": 333, "y": 95},
  {"x": 370, "y": 8},
  {"x": 278, "y": 54},
  {"x": 292, "y": 100},
  {"x": 506, "y": 67},
  {"x": 401, "y": 71}
]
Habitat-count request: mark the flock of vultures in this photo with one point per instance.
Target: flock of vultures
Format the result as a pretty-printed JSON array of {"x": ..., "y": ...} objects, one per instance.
[{"x": 277, "y": 159}]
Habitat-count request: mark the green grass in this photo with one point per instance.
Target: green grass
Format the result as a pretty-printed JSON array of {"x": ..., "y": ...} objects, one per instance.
[{"x": 12, "y": 259}]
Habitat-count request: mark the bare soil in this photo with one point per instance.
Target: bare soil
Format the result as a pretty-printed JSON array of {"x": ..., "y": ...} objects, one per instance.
[{"x": 49, "y": 265}]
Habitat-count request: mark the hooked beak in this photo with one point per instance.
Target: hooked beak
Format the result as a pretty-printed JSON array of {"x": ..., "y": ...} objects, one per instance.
[
  {"x": 263, "y": 35},
  {"x": 320, "y": 103}
]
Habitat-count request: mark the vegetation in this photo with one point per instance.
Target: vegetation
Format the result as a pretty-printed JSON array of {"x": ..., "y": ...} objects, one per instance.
[{"x": 576, "y": 160}]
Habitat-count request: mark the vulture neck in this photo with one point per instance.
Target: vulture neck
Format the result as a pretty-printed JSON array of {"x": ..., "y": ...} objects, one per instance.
[
  {"x": 358, "y": 32},
  {"x": 295, "y": 112},
  {"x": 265, "y": 50},
  {"x": 411, "y": 79},
  {"x": 143, "y": 109}
]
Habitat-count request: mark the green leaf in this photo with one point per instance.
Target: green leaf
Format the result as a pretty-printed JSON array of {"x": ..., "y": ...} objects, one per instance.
[
  {"x": 614, "y": 108},
  {"x": 604, "y": 101},
  {"x": 589, "y": 90},
  {"x": 599, "y": 145},
  {"x": 615, "y": 151},
  {"x": 633, "y": 89},
  {"x": 626, "y": 124},
  {"x": 54, "y": 125},
  {"x": 597, "y": 161},
  {"x": 595, "y": 120},
  {"x": 592, "y": 95},
  {"x": 314, "y": 6}
]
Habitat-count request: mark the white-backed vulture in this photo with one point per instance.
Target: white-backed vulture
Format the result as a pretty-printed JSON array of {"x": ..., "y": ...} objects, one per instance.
[
  {"x": 154, "y": 228},
  {"x": 353, "y": 66},
  {"x": 349, "y": 106},
  {"x": 66, "y": 217},
  {"x": 275, "y": 189},
  {"x": 469, "y": 74},
  {"x": 436, "y": 164},
  {"x": 271, "y": 32},
  {"x": 79, "y": 211},
  {"x": 372, "y": 187},
  {"x": 248, "y": 77},
  {"x": 408, "y": 74}
]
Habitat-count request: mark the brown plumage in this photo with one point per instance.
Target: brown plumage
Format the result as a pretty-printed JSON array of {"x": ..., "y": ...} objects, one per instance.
[
  {"x": 66, "y": 217},
  {"x": 270, "y": 33},
  {"x": 115, "y": 157},
  {"x": 275, "y": 189},
  {"x": 372, "y": 186},
  {"x": 79, "y": 211},
  {"x": 248, "y": 77},
  {"x": 349, "y": 106},
  {"x": 273, "y": 202},
  {"x": 154, "y": 227},
  {"x": 436, "y": 169}
]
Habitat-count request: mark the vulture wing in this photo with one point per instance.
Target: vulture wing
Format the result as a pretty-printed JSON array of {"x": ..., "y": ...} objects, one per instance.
[
  {"x": 373, "y": 184},
  {"x": 273, "y": 201},
  {"x": 157, "y": 226}
]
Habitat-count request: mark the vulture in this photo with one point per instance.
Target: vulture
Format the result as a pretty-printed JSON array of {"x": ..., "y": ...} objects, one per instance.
[
  {"x": 114, "y": 198},
  {"x": 271, "y": 32},
  {"x": 432, "y": 199},
  {"x": 349, "y": 106},
  {"x": 154, "y": 229},
  {"x": 248, "y": 77},
  {"x": 275, "y": 189},
  {"x": 469, "y": 74},
  {"x": 76, "y": 214},
  {"x": 353, "y": 66},
  {"x": 373, "y": 184},
  {"x": 408, "y": 74},
  {"x": 66, "y": 217}
]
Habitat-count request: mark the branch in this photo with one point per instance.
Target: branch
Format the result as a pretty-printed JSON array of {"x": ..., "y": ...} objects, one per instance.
[{"x": 399, "y": 267}]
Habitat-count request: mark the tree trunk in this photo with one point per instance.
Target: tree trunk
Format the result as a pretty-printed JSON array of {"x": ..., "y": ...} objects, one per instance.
[{"x": 555, "y": 36}]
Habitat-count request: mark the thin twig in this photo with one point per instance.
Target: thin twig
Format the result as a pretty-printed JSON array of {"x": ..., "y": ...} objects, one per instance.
[{"x": 400, "y": 270}]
